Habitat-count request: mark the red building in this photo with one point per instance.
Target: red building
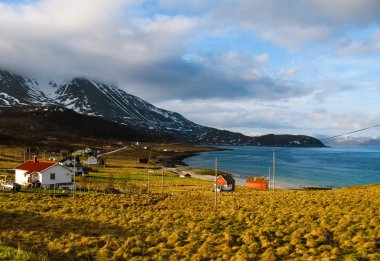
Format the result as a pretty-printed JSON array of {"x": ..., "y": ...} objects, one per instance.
[
  {"x": 259, "y": 183},
  {"x": 225, "y": 183}
]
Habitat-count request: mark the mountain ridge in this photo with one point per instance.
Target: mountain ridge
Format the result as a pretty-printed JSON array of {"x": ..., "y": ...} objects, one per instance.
[
  {"x": 53, "y": 125},
  {"x": 94, "y": 98}
]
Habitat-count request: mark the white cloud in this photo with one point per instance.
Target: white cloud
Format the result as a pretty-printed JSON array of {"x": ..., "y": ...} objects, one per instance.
[
  {"x": 262, "y": 58},
  {"x": 94, "y": 38},
  {"x": 249, "y": 116},
  {"x": 354, "y": 47},
  {"x": 290, "y": 71},
  {"x": 292, "y": 24},
  {"x": 147, "y": 48}
]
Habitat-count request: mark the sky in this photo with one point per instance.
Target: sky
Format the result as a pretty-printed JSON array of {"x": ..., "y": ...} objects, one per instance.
[{"x": 250, "y": 66}]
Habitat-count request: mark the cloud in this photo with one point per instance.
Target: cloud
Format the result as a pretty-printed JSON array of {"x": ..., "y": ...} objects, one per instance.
[
  {"x": 343, "y": 121},
  {"x": 263, "y": 62},
  {"x": 271, "y": 117},
  {"x": 94, "y": 38},
  {"x": 351, "y": 12},
  {"x": 293, "y": 24},
  {"x": 117, "y": 41},
  {"x": 232, "y": 76},
  {"x": 243, "y": 113},
  {"x": 355, "y": 48},
  {"x": 328, "y": 87}
]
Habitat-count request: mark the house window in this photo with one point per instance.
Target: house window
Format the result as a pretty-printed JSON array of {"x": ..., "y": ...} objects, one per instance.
[{"x": 52, "y": 176}]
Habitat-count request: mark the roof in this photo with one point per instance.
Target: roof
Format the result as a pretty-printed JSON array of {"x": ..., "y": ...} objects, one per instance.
[
  {"x": 31, "y": 166},
  {"x": 256, "y": 180},
  {"x": 227, "y": 178},
  {"x": 71, "y": 159}
]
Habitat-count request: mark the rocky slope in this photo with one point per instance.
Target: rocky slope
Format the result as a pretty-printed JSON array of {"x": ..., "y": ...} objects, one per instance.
[
  {"x": 58, "y": 125},
  {"x": 98, "y": 99}
]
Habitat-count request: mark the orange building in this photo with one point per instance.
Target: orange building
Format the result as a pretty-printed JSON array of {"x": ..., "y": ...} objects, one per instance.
[
  {"x": 225, "y": 183},
  {"x": 259, "y": 183}
]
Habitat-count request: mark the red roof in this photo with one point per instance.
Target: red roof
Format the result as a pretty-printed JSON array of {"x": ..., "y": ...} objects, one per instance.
[
  {"x": 227, "y": 178},
  {"x": 32, "y": 166}
]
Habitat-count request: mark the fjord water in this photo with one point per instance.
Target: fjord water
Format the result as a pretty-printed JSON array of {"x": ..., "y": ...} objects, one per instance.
[{"x": 296, "y": 167}]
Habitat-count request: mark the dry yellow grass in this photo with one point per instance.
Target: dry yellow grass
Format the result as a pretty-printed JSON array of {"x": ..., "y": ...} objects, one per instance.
[{"x": 339, "y": 224}]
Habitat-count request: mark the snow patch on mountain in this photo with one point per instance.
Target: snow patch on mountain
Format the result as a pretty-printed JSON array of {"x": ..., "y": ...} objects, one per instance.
[{"x": 98, "y": 99}]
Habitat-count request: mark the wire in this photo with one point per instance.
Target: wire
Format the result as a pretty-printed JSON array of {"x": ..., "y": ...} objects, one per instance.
[
  {"x": 288, "y": 148},
  {"x": 367, "y": 128}
]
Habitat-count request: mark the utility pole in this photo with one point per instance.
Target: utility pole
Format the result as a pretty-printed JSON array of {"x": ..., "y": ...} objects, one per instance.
[
  {"x": 148, "y": 180},
  {"x": 269, "y": 180},
  {"x": 150, "y": 155},
  {"x": 162, "y": 182},
  {"x": 216, "y": 179},
  {"x": 74, "y": 188},
  {"x": 274, "y": 168}
]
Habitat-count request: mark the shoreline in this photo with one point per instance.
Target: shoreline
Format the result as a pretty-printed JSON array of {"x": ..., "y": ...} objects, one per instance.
[
  {"x": 184, "y": 168},
  {"x": 287, "y": 182},
  {"x": 238, "y": 180}
]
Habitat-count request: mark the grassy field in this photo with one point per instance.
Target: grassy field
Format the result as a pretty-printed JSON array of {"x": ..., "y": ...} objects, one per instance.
[{"x": 182, "y": 223}]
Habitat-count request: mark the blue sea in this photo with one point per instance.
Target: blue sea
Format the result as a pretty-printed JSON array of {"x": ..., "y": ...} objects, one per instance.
[{"x": 297, "y": 167}]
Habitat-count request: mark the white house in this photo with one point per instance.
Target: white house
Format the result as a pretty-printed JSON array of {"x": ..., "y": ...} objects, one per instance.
[
  {"x": 69, "y": 163},
  {"x": 88, "y": 150},
  {"x": 91, "y": 160},
  {"x": 47, "y": 174}
]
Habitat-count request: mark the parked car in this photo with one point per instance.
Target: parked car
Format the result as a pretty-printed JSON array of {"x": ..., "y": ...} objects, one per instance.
[{"x": 11, "y": 186}]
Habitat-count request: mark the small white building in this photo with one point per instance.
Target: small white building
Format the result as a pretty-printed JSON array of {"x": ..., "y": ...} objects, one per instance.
[
  {"x": 47, "y": 174},
  {"x": 72, "y": 162},
  {"x": 92, "y": 160}
]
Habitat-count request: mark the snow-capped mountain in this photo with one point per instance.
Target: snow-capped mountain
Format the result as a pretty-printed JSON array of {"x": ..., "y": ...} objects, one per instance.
[
  {"x": 98, "y": 99},
  {"x": 354, "y": 141},
  {"x": 94, "y": 98},
  {"x": 16, "y": 90}
]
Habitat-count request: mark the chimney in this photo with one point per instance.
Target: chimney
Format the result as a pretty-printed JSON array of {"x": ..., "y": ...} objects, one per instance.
[{"x": 35, "y": 159}]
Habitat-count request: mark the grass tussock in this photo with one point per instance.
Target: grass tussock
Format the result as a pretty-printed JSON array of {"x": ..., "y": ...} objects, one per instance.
[{"x": 143, "y": 223}]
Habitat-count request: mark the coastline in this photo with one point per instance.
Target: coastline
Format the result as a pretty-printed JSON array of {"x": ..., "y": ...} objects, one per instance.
[
  {"x": 180, "y": 170},
  {"x": 300, "y": 169}
]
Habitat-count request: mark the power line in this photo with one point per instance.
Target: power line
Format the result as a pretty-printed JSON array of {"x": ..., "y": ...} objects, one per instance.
[
  {"x": 288, "y": 148},
  {"x": 351, "y": 132}
]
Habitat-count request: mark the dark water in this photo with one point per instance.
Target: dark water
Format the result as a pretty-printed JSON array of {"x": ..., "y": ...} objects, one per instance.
[{"x": 325, "y": 167}]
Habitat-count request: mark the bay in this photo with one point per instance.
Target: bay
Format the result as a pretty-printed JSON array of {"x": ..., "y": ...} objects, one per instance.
[{"x": 297, "y": 167}]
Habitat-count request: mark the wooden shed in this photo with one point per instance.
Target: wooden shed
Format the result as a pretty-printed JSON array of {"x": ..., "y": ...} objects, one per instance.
[
  {"x": 143, "y": 160},
  {"x": 259, "y": 183},
  {"x": 225, "y": 182}
]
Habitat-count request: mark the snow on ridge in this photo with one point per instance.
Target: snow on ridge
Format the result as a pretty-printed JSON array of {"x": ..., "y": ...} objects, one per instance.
[
  {"x": 6, "y": 98},
  {"x": 122, "y": 106},
  {"x": 6, "y": 103}
]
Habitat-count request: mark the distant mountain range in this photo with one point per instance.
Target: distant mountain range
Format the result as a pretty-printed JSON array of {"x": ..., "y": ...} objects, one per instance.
[
  {"x": 93, "y": 98},
  {"x": 354, "y": 141}
]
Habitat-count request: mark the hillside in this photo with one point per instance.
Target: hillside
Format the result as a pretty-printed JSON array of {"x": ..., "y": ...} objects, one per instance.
[
  {"x": 288, "y": 141},
  {"x": 94, "y": 98},
  {"x": 30, "y": 125}
]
